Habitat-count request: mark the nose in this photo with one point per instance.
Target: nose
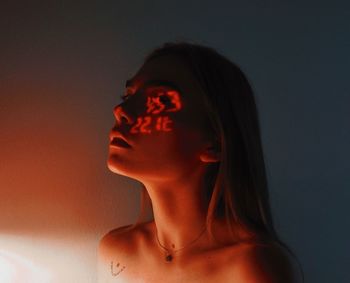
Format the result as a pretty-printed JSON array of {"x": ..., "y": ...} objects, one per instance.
[{"x": 121, "y": 116}]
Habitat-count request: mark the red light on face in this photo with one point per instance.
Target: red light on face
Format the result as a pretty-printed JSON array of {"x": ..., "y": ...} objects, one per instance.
[
  {"x": 175, "y": 100},
  {"x": 155, "y": 105},
  {"x": 164, "y": 123},
  {"x": 145, "y": 125},
  {"x": 141, "y": 125},
  {"x": 162, "y": 101}
]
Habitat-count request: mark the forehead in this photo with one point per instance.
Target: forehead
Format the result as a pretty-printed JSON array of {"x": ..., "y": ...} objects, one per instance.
[{"x": 170, "y": 69}]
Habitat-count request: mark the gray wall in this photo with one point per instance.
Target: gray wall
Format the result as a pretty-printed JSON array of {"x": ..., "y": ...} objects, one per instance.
[{"x": 63, "y": 67}]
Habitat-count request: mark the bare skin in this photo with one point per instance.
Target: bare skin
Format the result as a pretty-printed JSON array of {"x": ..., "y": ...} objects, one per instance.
[
  {"x": 135, "y": 257},
  {"x": 171, "y": 160}
]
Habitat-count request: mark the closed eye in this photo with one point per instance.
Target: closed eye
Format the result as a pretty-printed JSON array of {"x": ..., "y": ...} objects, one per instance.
[
  {"x": 164, "y": 99},
  {"x": 125, "y": 96}
]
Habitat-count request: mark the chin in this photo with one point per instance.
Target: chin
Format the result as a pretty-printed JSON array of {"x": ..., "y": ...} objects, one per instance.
[
  {"x": 114, "y": 167},
  {"x": 117, "y": 168}
]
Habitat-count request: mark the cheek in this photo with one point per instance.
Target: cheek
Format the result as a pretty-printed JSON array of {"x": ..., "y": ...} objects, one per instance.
[
  {"x": 185, "y": 143},
  {"x": 175, "y": 146}
]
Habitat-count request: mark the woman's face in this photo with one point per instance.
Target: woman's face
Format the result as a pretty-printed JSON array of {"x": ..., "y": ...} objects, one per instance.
[{"x": 163, "y": 120}]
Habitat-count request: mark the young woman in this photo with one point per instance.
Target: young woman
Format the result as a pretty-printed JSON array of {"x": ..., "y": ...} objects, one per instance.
[{"x": 188, "y": 130}]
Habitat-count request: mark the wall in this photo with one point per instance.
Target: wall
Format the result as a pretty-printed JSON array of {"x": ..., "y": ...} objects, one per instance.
[{"x": 63, "y": 67}]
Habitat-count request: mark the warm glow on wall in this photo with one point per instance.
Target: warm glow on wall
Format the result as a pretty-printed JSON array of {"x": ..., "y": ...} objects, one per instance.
[
  {"x": 15, "y": 268},
  {"x": 30, "y": 258}
]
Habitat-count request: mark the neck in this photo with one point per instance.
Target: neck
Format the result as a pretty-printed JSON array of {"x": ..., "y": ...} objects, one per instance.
[{"x": 179, "y": 211}]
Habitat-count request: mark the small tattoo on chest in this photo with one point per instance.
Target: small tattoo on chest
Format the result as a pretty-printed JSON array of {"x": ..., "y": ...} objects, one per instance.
[{"x": 116, "y": 269}]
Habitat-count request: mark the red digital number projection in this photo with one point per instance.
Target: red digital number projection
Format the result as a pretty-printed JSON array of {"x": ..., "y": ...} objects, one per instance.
[
  {"x": 155, "y": 105},
  {"x": 164, "y": 101}
]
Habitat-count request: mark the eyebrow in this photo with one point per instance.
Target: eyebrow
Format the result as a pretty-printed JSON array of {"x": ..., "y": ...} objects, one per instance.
[{"x": 155, "y": 83}]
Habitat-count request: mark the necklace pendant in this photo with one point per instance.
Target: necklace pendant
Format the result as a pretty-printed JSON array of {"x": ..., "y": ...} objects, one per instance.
[{"x": 169, "y": 257}]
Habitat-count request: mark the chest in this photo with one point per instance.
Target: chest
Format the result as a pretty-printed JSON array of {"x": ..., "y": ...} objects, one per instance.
[{"x": 203, "y": 268}]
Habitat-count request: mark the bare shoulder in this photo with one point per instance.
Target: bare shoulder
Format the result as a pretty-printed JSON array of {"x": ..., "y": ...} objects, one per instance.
[
  {"x": 270, "y": 263},
  {"x": 116, "y": 252},
  {"x": 116, "y": 240},
  {"x": 123, "y": 241}
]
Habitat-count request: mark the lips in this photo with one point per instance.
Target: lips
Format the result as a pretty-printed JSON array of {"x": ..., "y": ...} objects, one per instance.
[
  {"x": 117, "y": 139},
  {"x": 119, "y": 142}
]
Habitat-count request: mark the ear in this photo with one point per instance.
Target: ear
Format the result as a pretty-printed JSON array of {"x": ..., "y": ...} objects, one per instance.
[{"x": 211, "y": 153}]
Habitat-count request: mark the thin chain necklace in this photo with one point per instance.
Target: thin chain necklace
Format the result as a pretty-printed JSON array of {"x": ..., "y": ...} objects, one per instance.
[{"x": 169, "y": 255}]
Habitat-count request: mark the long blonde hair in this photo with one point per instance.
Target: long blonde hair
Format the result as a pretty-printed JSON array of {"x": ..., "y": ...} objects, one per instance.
[{"x": 238, "y": 187}]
